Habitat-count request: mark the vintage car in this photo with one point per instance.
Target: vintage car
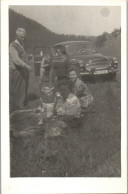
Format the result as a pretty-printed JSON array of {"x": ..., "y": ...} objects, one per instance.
[{"x": 84, "y": 55}]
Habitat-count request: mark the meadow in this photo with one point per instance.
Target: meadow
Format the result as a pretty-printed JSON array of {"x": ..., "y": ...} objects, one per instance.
[{"x": 91, "y": 148}]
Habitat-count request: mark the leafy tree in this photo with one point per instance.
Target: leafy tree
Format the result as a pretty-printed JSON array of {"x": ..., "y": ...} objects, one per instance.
[
  {"x": 116, "y": 32},
  {"x": 100, "y": 40}
]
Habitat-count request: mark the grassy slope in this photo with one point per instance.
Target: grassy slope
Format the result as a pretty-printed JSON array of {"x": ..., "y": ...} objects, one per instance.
[{"x": 91, "y": 148}]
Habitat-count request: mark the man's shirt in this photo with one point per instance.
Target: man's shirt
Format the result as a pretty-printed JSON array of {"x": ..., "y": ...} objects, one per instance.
[{"x": 14, "y": 58}]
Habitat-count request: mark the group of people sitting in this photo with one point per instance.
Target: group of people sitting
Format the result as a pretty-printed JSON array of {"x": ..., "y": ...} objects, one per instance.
[{"x": 71, "y": 96}]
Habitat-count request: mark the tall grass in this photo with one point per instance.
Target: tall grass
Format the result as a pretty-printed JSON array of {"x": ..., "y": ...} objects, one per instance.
[{"x": 90, "y": 148}]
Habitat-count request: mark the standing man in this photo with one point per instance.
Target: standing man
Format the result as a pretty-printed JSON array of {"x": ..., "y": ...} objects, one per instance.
[{"x": 18, "y": 72}]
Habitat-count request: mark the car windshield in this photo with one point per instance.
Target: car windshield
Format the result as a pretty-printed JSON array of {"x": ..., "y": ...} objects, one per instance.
[
  {"x": 79, "y": 48},
  {"x": 58, "y": 51}
]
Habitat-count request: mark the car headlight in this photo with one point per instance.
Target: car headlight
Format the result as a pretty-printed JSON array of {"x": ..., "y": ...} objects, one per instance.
[
  {"x": 115, "y": 60},
  {"x": 89, "y": 62},
  {"x": 81, "y": 64}
]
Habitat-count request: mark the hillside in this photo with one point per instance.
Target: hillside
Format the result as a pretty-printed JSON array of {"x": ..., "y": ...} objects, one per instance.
[
  {"x": 112, "y": 47},
  {"x": 37, "y": 34}
]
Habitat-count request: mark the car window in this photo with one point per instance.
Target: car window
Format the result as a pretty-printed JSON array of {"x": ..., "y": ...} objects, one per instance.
[
  {"x": 55, "y": 52},
  {"x": 79, "y": 48},
  {"x": 58, "y": 51}
]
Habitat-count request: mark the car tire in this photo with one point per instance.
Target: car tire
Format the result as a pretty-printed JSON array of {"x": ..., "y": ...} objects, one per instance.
[{"x": 112, "y": 76}]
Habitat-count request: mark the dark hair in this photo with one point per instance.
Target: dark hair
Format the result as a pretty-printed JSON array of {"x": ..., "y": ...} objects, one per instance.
[
  {"x": 20, "y": 30},
  {"x": 65, "y": 82},
  {"x": 74, "y": 68}
]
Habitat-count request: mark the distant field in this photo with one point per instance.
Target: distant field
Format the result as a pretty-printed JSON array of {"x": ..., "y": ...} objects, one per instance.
[{"x": 90, "y": 149}]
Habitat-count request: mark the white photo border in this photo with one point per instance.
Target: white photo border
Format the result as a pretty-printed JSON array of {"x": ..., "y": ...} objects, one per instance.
[{"x": 59, "y": 185}]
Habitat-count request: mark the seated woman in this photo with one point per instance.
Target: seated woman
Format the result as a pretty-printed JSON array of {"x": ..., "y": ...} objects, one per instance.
[
  {"x": 66, "y": 112},
  {"x": 66, "y": 104},
  {"x": 80, "y": 89}
]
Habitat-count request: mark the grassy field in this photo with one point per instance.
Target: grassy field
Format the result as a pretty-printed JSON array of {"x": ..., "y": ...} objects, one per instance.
[{"x": 91, "y": 148}]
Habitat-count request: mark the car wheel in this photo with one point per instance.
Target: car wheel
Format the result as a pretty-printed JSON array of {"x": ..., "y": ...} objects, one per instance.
[
  {"x": 88, "y": 79},
  {"x": 112, "y": 76}
]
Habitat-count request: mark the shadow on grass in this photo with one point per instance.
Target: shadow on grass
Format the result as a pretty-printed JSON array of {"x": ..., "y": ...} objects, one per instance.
[{"x": 32, "y": 96}]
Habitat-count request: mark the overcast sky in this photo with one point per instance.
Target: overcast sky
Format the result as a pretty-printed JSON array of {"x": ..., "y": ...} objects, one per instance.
[{"x": 78, "y": 20}]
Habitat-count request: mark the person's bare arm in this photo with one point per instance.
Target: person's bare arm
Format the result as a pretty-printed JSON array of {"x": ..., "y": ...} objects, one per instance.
[{"x": 42, "y": 72}]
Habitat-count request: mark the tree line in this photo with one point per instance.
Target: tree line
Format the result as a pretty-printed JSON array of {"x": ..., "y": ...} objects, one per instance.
[
  {"x": 100, "y": 40},
  {"x": 39, "y": 36}
]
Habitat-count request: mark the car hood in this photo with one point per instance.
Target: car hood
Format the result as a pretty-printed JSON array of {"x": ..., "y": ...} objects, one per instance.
[{"x": 87, "y": 58}]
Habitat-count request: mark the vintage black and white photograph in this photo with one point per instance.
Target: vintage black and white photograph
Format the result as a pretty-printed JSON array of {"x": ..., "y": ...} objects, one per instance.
[
  {"x": 65, "y": 103},
  {"x": 65, "y": 91}
]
